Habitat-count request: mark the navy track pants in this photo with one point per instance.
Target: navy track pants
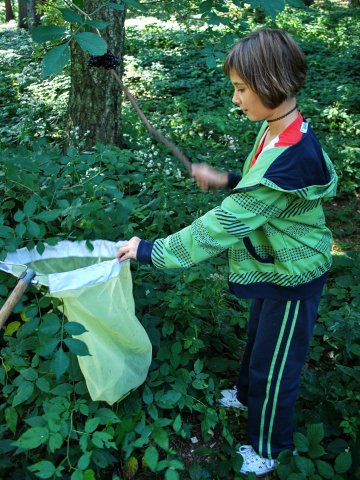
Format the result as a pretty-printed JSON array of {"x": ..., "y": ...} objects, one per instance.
[{"x": 279, "y": 335}]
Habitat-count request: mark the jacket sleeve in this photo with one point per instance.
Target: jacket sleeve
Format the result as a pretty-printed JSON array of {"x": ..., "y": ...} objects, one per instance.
[{"x": 238, "y": 215}]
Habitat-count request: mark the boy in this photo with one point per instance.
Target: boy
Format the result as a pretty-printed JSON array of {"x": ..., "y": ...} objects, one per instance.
[{"x": 273, "y": 226}]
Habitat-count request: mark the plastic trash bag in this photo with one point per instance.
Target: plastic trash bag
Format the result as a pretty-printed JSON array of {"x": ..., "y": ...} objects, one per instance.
[{"x": 97, "y": 292}]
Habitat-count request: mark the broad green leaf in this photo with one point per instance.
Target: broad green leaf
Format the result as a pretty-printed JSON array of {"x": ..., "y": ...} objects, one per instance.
[
  {"x": 53, "y": 421},
  {"x": 42, "y": 384},
  {"x": 48, "y": 215},
  {"x": 151, "y": 457},
  {"x": 47, "y": 346},
  {"x": 315, "y": 432},
  {"x": 74, "y": 328},
  {"x": 29, "y": 374},
  {"x": 11, "y": 418},
  {"x": 169, "y": 399},
  {"x": 71, "y": 16},
  {"x": 115, "y": 6},
  {"x": 199, "y": 384},
  {"x": 33, "y": 228},
  {"x": 92, "y": 424},
  {"x": 355, "y": 349},
  {"x": 56, "y": 59},
  {"x": 337, "y": 446},
  {"x": 50, "y": 324},
  {"x": 270, "y": 8},
  {"x": 177, "y": 424},
  {"x": 46, "y": 33},
  {"x": 60, "y": 363},
  {"x": 343, "y": 462},
  {"x": 40, "y": 247},
  {"x": 24, "y": 392},
  {"x": 84, "y": 460},
  {"x": 153, "y": 412},
  {"x": 20, "y": 229},
  {"x": 19, "y": 216},
  {"x": 161, "y": 438},
  {"x": 36, "y": 421},
  {"x": 11, "y": 328},
  {"x": 107, "y": 415},
  {"x": 147, "y": 395},
  {"x": 198, "y": 366},
  {"x": 89, "y": 475},
  {"x": 77, "y": 475},
  {"x": 55, "y": 441},
  {"x": 97, "y": 24},
  {"x": 296, "y": 3},
  {"x": 352, "y": 372},
  {"x": 206, "y": 6},
  {"x": 43, "y": 469},
  {"x": 77, "y": 346},
  {"x": 316, "y": 450},
  {"x": 325, "y": 469},
  {"x": 135, "y": 4},
  {"x": 171, "y": 474},
  {"x": 102, "y": 439},
  {"x": 30, "y": 207},
  {"x": 92, "y": 43},
  {"x": 176, "y": 348},
  {"x": 6, "y": 232},
  {"x": 81, "y": 475},
  {"x": 305, "y": 465},
  {"x": 32, "y": 438},
  {"x": 301, "y": 442},
  {"x": 6, "y": 445},
  {"x": 210, "y": 61},
  {"x": 62, "y": 390}
]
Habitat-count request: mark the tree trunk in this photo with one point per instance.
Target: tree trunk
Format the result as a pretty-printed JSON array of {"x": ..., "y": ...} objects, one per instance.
[
  {"x": 22, "y": 14},
  {"x": 9, "y": 12},
  {"x": 31, "y": 15},
  {"x": 94, "y": 113}
]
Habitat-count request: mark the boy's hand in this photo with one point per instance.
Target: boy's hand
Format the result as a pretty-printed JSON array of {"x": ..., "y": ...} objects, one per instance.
[
  {"x": 207, "y": 177},
  {"x": 128, "y": 249}
]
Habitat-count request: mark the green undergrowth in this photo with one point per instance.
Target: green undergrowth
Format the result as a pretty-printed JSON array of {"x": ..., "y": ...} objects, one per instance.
[
  {"x": 171, "y": 427},
  {"x": 197, "y": 330}
]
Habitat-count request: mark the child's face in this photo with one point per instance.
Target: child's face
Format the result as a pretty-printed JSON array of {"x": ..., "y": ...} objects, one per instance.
[{"x": 248, "y": 100}]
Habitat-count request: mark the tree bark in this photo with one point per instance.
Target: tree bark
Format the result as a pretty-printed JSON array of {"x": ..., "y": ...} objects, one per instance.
[
  {"x": 9, "y": 12},
  {"x": 31, "y": 15},
  {"x": 22, "y": 14},
  {"x": 94, "y": 113}
]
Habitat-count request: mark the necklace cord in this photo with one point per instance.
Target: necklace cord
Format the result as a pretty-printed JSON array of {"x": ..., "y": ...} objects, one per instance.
[{"x": 282, "y": 116}]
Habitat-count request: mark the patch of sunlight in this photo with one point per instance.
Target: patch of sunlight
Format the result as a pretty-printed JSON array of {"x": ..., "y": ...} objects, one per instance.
[
  {"x": 8, "y": 25},
  {"x": 9, "y": 54},
  {"x": 172, "y": 23},
  {"x": 142, "y": 22},
  {"x": 339, "y": 248}
]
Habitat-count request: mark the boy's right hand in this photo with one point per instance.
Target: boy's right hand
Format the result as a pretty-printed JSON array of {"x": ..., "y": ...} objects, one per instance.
[{"x": 207, "y": 177}]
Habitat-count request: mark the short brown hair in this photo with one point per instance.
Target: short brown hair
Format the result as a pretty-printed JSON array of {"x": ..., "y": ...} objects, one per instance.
[{"x": 271, "y": 63}]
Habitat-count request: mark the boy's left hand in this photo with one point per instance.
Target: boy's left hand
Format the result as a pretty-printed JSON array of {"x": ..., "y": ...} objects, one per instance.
[{"x": 128, "y": 249}]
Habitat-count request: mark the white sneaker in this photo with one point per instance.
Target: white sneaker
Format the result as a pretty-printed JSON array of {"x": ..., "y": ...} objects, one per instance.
[
  {"x": 253, "y": 463},
  {"x": 229, "y": 399}
]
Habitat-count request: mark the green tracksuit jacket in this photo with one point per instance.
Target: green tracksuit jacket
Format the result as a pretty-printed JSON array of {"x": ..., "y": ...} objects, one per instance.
[{"x": 272, "y": 225}]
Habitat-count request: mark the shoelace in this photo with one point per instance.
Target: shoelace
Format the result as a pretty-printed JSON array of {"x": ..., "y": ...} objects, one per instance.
[
  {"x": 250, "y": 456},
  {"x": 233, "y": 397}
]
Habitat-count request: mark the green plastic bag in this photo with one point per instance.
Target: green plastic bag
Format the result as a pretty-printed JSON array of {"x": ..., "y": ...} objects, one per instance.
[{"x": 97, "y": 292}]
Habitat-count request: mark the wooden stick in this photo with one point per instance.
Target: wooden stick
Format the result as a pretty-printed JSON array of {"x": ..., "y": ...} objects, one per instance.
[
  {"x": 15, "y": 295},
  {"x": 159, "y": 136}
]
